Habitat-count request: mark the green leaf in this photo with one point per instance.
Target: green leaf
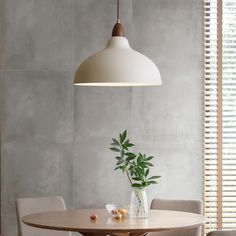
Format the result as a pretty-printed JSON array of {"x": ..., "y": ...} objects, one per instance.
[
  {"x": 130, "y": 154},
  {"x": 143, "y": 165},
  {"x": 152, "y": 182},
  {"x": 139, "y": 172},
  {"x": 115, "y": 149},
  {"x": 148, "y": 164},
  {"x": 123, "y": 168},
  {"x": 135, "y": 173},
  {"x": 149, "y": 158},
  {"x": 145, "y": 184},
  {"x": 115, "y": 141},
  {"x": 122, "y": 153},
  {"x": 136, "y": 179},
  {"x": 120, "y": 162},
  {"x": 126, "y": 162},
  {"x": 118, "y": 167},
  {"x": 155, "y": 177},
  {"x": 123, "y": 136},
  {"x": 135, "y": 185},
  {"x": 131, "y": 167},
  {"x": 147, "y": 172},
  {"x": 140, "y": 158},
  {"x": 126, "y": 142},
  {"x": 118, "y": 158},
  {"x": 141, "y": 169},
  {"x": 130, "y": 158},
  {"x": 129, "y": 145},
  {"x": 115, "y": 145}
]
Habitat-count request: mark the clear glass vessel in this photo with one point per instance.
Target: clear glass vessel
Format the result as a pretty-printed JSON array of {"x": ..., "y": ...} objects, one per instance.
[{"x": 138, "y": 203}]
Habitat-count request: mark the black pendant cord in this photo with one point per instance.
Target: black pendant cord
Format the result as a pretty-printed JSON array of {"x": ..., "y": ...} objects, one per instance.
[
  {"x": 118, "y": 29},
  {"x": 118, "y": 10}
]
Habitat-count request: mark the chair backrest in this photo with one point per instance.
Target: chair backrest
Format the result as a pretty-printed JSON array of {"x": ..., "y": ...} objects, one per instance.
[
  {"x": 192, "y": 206},
  {"x": 222, "y": 233},
  {"x": 25, "y": 206}
]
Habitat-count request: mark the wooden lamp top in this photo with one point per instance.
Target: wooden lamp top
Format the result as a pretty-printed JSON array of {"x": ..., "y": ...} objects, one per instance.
[{"x": 118, "y": 30}]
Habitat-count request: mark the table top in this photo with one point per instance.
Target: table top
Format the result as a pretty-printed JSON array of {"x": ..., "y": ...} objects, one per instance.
[{"x": 79, "y": 221}]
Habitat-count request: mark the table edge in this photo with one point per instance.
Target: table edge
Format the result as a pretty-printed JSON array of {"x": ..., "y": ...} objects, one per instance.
[{"x": 103, "y": 230}]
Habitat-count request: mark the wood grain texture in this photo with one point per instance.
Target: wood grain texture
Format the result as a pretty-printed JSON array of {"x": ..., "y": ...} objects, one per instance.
[
  {"x": 219, "y": 113},
  {"x": 118, "y": 30},
  {"x": 79, "y": 221}
]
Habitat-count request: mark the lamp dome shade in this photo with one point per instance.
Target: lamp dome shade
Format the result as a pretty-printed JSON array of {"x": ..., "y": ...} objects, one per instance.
[{"x": 117, "y": 65}]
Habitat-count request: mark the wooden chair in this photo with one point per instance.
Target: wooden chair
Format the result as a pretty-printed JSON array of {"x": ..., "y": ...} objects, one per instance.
[
  {"x": 192, "y": 206},
  {"x": 25, "y": 206},
  {"x": 222, "y": 233}
]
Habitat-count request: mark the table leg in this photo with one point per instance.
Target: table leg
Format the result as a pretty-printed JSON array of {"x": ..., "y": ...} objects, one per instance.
[
  {"x": 113, "y": 234},
  {"x": 93, "y": 234},
  {"x": 129, "y": 234},
  {"x": 119, "y": 234},
  {"x": 138, "y": 234}
]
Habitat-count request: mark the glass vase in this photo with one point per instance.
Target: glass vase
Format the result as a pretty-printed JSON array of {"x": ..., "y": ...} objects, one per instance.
[{"x": 138, "y": 203}]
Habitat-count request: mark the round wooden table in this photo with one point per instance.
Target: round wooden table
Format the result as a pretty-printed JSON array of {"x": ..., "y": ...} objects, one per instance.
[{"x": 79, "y": 221}]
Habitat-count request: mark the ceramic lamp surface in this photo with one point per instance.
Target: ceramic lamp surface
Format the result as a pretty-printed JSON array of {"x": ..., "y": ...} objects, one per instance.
[{"x": 117, "y": 65}]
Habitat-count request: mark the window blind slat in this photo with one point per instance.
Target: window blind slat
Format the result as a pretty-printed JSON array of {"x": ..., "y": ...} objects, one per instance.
[{"x": 228, "y": 113}]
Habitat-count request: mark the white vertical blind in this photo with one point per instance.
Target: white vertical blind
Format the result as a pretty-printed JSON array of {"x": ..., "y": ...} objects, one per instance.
[
  {"x": 228, "y": 114},
  {"x": 210, "y": 129}
]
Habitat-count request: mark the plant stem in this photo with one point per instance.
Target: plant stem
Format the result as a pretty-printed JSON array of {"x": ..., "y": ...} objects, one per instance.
[
  {"x": 126, "y": 171},
  {"x": 140, "y": 203}
]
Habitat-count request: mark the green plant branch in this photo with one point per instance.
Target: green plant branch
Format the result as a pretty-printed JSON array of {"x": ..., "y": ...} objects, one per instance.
[
  {"x": 135, "y": 166},
  {"x": 128, "y": 177}
]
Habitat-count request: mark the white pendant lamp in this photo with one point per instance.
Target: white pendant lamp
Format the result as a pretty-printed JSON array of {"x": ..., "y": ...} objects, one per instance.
[{"x": 117, "y": 65}]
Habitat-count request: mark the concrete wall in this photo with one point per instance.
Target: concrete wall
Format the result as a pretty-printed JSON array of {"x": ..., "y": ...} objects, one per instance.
[
  {"x": 55, "y": 137},
  {"x": 37, "y": 107}
]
